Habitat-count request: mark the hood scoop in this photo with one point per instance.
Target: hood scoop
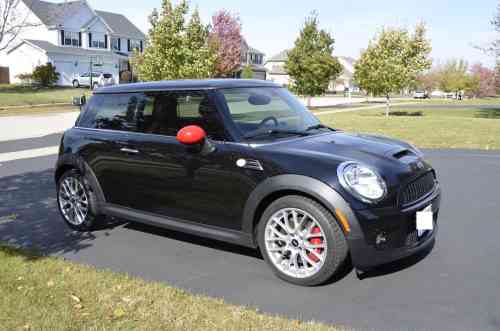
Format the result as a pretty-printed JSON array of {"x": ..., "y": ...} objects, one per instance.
[{"x": 402, "y": 153}]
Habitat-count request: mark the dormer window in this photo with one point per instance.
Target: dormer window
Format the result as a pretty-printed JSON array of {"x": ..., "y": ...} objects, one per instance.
[{"x": 69, "y": 38}]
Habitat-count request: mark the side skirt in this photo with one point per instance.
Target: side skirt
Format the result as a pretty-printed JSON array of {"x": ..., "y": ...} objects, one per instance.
[{"x": 198, "y": 229}]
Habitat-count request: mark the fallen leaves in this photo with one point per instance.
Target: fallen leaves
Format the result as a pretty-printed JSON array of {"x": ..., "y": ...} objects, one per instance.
[{"x": 75, "y": 298}]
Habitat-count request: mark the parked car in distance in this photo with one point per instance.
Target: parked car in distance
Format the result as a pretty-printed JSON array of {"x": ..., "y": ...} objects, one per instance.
[
  {"x": 99, "y": 79},
  {"x": 421, "y": 95},
  {"x": 243, "y": 161},
  {"x": 437, "y": 94}
]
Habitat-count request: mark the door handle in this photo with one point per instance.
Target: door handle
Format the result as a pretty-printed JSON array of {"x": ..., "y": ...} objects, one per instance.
[{"x": 129, "y": 150}]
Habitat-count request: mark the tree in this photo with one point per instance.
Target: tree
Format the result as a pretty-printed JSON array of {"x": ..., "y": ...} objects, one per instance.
[
  {"x": 247, "y": 72},
  {"x": 482, "y": 81},
  {"x": 393, "y": 61},
  {"x": 45, "y": 75},
  {"x": 453, "y": 76},
  {"x": 225, "y": 37},
  {"x": 176, "y": 49},
  {"x": 12, "y": 22},
  {"x": 311, "y": 63}
]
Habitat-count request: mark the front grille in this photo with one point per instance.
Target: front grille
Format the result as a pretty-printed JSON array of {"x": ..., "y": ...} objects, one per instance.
[{"x": 417, "y": 189}]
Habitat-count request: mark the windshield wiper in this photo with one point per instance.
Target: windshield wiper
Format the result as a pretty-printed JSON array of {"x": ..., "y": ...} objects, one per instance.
[
  {"x": 319, "y": 126},
  {"x": 274, "y": 131}
]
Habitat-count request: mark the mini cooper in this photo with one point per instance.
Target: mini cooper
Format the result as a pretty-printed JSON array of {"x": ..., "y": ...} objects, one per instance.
[{"x": 244, "y": 162}]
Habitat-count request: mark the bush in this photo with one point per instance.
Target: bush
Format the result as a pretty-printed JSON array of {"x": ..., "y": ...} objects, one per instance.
[
  {"x": 45, "y": 75},
  {"x": 25, "y": 78},
  {"x": 126, "y": 77},
  {"x": 405, "y": 113},
  {"x": 247, "y": 72}
]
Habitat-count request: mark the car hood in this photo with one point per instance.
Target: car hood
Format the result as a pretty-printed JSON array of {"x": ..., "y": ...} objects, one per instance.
[{"x": 345, "y": 146}]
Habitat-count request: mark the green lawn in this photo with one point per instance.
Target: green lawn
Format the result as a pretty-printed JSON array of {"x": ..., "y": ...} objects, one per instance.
[
  {"x": 43, "y": 293},
  {"x": 472, "y": 127},
  {"x": 15, "y": 95}
]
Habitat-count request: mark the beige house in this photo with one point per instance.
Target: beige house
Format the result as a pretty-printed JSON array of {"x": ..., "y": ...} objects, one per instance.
[{"x": 276, "y": 72}]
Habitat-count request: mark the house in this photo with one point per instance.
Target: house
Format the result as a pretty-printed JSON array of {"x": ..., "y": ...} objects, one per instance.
[
  {"x": 276, "y": 71},
  {"x": 254, "y": 58},
  {"x": 72, "y": 35}
]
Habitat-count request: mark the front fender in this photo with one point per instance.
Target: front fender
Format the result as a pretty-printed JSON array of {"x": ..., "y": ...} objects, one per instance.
[
  {"x": 67, "y": 161},
  {"x": 320, "y": 191}
]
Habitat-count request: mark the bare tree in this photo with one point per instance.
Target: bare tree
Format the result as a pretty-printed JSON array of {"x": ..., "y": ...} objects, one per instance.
[{"x": 12, "y": 21}]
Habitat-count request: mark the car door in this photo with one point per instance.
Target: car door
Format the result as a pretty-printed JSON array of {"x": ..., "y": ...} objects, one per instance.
[
  {"x": 84, "y": 79},
  {"x": 179, "y": 182},
  {"x": 107, "y": 124}
]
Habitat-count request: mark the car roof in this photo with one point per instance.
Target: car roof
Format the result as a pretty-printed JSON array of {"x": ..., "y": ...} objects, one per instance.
[{"x": 187, "y": 84}]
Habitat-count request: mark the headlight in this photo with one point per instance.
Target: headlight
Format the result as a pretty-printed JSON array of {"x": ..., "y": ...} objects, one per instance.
[{"x": 362, "y": 182}]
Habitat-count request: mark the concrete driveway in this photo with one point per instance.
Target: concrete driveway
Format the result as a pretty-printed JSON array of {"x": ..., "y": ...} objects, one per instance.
[{"x": 455, "y": 287}]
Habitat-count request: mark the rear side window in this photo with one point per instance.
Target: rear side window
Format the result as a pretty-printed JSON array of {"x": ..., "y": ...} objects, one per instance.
[
  {"x": 112, "y": 112},
  {"x": 107, "y": 75}
]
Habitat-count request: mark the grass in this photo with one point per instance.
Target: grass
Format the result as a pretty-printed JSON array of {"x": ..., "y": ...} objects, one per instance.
[
  {"x": 470, "y": 128},
  {"x": 17, "y": 95},
  {"x": 44, "y": 293}
]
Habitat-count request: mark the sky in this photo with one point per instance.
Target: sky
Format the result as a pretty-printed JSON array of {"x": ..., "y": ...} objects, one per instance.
[{"x": 271, "y": 26}]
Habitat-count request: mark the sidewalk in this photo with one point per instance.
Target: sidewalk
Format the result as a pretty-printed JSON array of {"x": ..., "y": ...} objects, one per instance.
[{"x": 33, "y": 126}]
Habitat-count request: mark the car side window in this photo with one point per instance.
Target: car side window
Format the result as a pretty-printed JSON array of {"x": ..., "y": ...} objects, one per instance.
[
  {"x": 112, "y": 112},
  {"x": 168, "y": 112}
]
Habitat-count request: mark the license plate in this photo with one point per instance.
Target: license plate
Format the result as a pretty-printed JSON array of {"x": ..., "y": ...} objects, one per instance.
[{"x": 425, "y": 220}]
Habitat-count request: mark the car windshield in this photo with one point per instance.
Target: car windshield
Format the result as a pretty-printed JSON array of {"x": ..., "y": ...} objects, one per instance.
[{"x": 262, "y": 111}]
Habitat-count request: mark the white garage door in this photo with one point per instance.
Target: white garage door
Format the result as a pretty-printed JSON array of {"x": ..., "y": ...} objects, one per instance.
[{"x": 66, "y": 70}]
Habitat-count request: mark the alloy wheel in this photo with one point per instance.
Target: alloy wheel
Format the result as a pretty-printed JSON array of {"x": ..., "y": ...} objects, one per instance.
[
  {"x": 73, "y": 200},
  {"x": 296, "y": 243}
]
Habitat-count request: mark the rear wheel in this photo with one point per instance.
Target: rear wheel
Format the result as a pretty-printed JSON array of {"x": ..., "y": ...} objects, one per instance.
[
  {"x": 301, "y": 241},
  {"x": 95, "y": 86},
  {"x": 76, "y": 202},
  {"x": 76, "y": 84}
]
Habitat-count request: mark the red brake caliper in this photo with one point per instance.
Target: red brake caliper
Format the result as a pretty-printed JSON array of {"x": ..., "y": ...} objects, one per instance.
[{"x": 315, "y": 241}]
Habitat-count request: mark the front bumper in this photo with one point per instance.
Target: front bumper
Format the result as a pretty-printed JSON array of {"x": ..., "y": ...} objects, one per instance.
[{"x": 380, "y": 236}]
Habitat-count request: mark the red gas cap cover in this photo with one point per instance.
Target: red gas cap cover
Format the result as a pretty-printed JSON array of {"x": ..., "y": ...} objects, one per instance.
[{"x": 190, "y": 135}]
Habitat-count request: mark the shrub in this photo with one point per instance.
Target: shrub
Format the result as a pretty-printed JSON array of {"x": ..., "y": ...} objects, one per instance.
[
  {"x": 126, "y": 76},
  {"x": 406, "y": 113},
  {"x": 25, "y": 78},
  {"x": 45, "y": 75},
  {"x": 247, "y": 72}
]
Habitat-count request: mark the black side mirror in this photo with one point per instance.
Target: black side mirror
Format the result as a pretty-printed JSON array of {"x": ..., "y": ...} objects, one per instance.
[{"x": 79, "y": 101}]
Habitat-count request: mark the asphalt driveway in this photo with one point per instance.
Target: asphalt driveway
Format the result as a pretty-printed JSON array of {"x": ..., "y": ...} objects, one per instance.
[{"x": 456, "y": 286}]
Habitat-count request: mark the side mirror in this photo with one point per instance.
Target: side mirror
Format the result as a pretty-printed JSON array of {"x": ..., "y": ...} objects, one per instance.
[
  {"x": 191, "y": 135},
  {"x": 79, "y": 101},
  {"x": 196, "y": 139}
]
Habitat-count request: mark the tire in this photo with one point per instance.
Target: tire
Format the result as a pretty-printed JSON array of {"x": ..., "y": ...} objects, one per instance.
[
  {"x": 77, "y": 222},
  {"x": 76, "y": 84},
  {"x": 328, "y": 261},
  {"x": 95, "y": 86}
]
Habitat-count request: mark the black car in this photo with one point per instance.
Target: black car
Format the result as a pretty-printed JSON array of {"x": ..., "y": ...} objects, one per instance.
[{"x": 244, "y": 162}]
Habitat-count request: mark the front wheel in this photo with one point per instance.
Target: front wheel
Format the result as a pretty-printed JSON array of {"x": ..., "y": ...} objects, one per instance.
[
  {"x": 76, "y": 84},
  {"x": 76, "y": 202},
  {"x": 301, "y": 241}
]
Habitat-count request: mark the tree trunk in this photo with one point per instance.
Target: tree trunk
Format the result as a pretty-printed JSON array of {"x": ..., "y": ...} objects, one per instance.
[
  {"x": 387, "y": 105},
  {"x": 309, "y": 101}
]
